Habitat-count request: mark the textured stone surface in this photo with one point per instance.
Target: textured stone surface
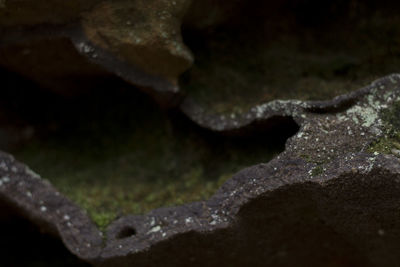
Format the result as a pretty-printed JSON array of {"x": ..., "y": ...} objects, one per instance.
[
  {"x": 144, "y": 33},
  {"x": 65, "y": 45},
  {"x": 227, "y": 55},
  {"x": 35, "y": 198},
  {"x": 328, "y": 199}
]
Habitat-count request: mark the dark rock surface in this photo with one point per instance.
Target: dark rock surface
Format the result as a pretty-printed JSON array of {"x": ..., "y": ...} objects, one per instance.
[
  {"x": 62, "y": 46},
  {"x": 331, "y": 198},
  {"x": 183, "y": 50},
  {"x": 328, "y": 199}
]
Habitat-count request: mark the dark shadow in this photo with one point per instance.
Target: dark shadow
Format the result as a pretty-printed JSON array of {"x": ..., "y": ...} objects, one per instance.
[
  {"x": 22, "y": 244},
  {"x": 115, "y": 142},
  {"x": 250, "y": 52}
]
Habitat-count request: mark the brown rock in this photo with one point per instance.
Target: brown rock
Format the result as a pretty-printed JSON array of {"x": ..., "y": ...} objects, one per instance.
[{"x": 144, "y": 33}]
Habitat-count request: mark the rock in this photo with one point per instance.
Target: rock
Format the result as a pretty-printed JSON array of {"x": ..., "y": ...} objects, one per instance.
[
  {"x": 53, "y": 63},
  {"x": 135, "y": 40},
  {"x": 42, "y": 204},
  {"x": 143, "y": 33},
  {"x": 31, "y": 13},
  {"x": 330, "y": 198},
  {"x": 248, "y": 53},
  {"x": 335, "y": 184}
]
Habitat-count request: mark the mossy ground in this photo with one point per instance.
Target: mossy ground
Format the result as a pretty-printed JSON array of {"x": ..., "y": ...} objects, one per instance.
[
  {"x": 119, "y": 154},
  {"x": 239, "y": 66}
]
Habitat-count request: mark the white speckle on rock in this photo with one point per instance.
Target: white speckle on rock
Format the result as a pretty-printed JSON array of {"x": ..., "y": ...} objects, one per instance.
[
  {"x": 5, "y": 179},
  {"x": 393, "y": 80},
  {"x": 66, "y": 217},
  {"x": 260, "y": 109},
  {"x": 395, "y": 152},
  {"x": 188, "y": 220},
  {"x": 43, "y": 209},
  {"x": 3, "y": 166},
  {"x": 155, "y": 229},
  {"x": 31, "y": 173},
  {"x": 29, "y": 194},
  {"x": 14, "y": 169},
  {"x": 84, "y": 48}
]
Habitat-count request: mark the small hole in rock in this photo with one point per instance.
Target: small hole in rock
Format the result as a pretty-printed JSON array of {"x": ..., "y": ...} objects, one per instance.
[{"x": 126, "y": 232}]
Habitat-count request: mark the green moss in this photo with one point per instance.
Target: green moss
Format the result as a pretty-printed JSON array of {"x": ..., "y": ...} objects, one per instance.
[
  {"x": 391, "y": 138},
  {"x": 317, "y": 170},
  {"x": 101, "y": 219},
  {"x": 383, "y": 145},
  {"x": 128, "y": 157},
  {"x": 306, "y": 157}
]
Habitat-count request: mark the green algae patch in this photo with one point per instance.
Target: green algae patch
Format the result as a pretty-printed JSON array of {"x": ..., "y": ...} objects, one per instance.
[
  {"x": 242, "y": 65},
  {"x": 389, "y": 143},
  {"x": 317, "y": 170},
  {"x": 386, "y": 145},
  {"x": 122, "y": 155}
]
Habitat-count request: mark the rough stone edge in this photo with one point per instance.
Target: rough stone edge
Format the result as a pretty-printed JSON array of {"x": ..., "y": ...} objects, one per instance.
[
  {"x": 228, "y": 123},
  {"x": 170, "y": 95},
  {"x": 43, "y": 205},
  {"x": 163, "y": 91},
  {"x": 60, "y": 216},
  {"x": 220, "y": 211},
  {"x": 37, "y": 200}
]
